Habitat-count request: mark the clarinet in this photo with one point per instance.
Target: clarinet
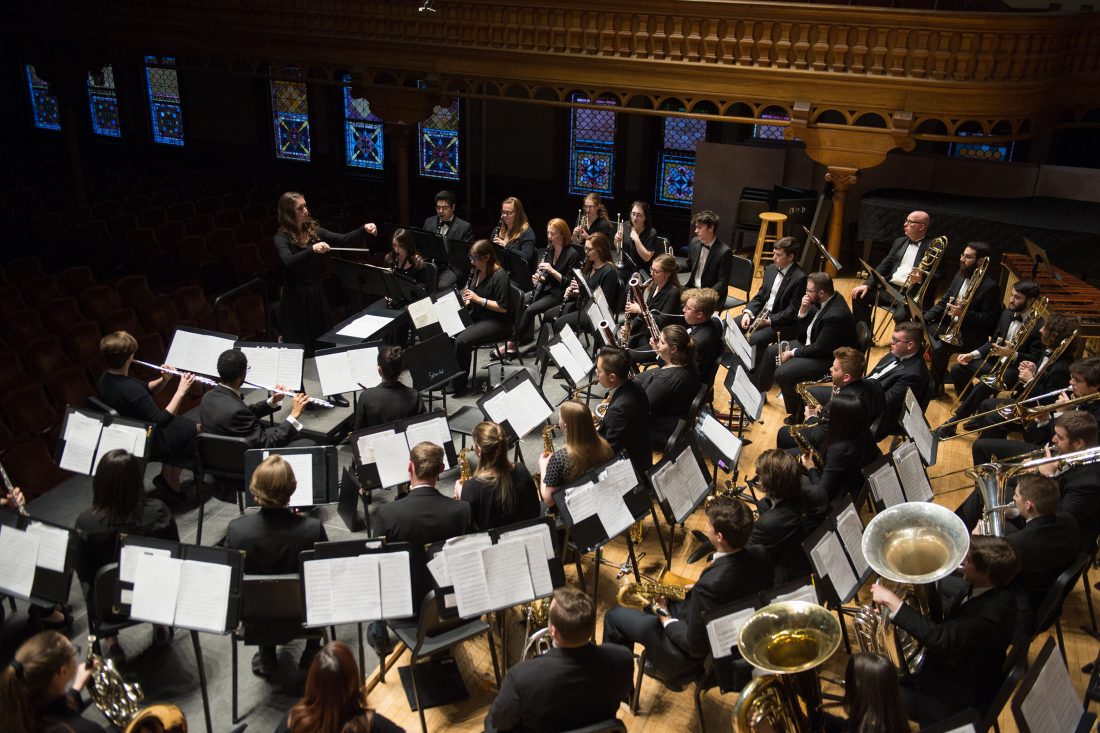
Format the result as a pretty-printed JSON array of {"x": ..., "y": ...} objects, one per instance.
[
  {"x": 9, "y": 491},
  {"x": 498, "y": 231},
  {"x": 543, "y": 282}
]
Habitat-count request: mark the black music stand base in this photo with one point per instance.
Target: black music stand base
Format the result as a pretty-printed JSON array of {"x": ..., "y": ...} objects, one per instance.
[
  {"x": 202, "y": 681},
  {"x": 440, "y": 683}
]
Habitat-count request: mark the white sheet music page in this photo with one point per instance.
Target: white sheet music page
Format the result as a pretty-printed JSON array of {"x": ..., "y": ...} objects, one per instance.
[
  {"x": 581, "y": 502},
  {"x": 197, "y": 352},
  {"x": 435, "y": 431},
  {"x": 565, "y": 360},
  {"x": 302, "y": 465},
  {"x": 498, "y": 407},
  {"x": 364, "y": 327},
  {"x": 911, "y": 471},
  {"x": 468, "y": 576},
  {"x": 746, "y": 393},
  {"x": 363, "y": 368},
  {"x": 722, "y": 632},
  {"x": 916, "y": 427},
  {"x": 885, "y": 485},
  {"x": 739, "y": 345},
  {"x": 540, "y": 531},
  {"x": 805, "y": 593},
  {"x": 508, "y": 573},
  {"x": 20, "y": 553},
  {"x": 829, "y": 561},
  {"x": 449, "y": 309},
  {"x": 600, "y": 299},
  {"x": 130, "y": 557},
  {"x": 133, "y": 436},
  {"x": 527, "y": 407},
  {"x": 317, "y": 583},
  {"x": 81, "y": 437},
  {"x": 53, "y": 545},
  {"x": 722, "y": 439},
  {"x": 576, "y": 348},
  {"x": 396, "y": 586},
  {"x": 334, "y": 373},
  {"x": 541, "y": 582},
  {"x": 263, "y": 365},
  {"x": 203, "y": 599},
  {"x": 680, "y": 482},
  {"x": 156, "y": 588},
  {"x": 356, "y": 592},
  {"x": 391, "y": 456},
  {"x": 1052, "y": 705},
  {"x": 290, "y": 367},
  {"x": 611, "y": 507},
  {"x": 596, "y": 317},
  {"x": 850, "y": 529},
  {"x": 422, "y": 313}
]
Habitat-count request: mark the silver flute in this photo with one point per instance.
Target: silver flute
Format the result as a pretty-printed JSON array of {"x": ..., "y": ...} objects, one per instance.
[
  {"x": 178, "y": 373},
  {"x": 290, "y": 393}
]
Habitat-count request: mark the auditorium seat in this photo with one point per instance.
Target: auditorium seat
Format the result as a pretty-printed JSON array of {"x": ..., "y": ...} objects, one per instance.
[
  {"x": 21, "y": 327},
  {"x": 123, "y": 319},
  {"x": 247, "y": 261},
  {"x": 220, "y": 242},
  {"x": 134, "y": 291},
  {"x": 94, "y": 235},
  {"x": 181, "y": 210},
  {"x": 226, "y": 322},
  {"x": 192, "y": 305},
  {"x": 37, "y": 291},
  {"x": 81, "y": 343},
  {"x": 136, "y": 203},
  {"x": 11, "y": 301},
  {"x": 200, "y": 224},
  {"x": 12, "y": 372},
  {"x": 48, "y": 229},
  {"x": 228, "y": 218},
  {"x": 44, "y": 356},
  {"x": 164, "y": 198},
  {"x": 70, "y": 386},
  {"x": 142, "y": 244},
  {"x": 75, "y": 280},
  {"x": 122, "y": 223},
  {"x": 98, "y": 301},
  {"x": 61, "y": 313},
  {"x": 208, "y": 205},
  {"x": 31, "y": 466},
  {"x": 159, "y": 315},
  {"x": 29, "y": 411},
  {"x": 169, "y": 233},
  {"x": 23, "y": 268},
  {"x": 76, "y": 216},
  {"x": 104, "y": 210},
  {"x": 235, "y": 200},
  {"x": 152, "y": 216},
  {"x": 251, "y": 312},
  {"x": 250, "y": 231}
]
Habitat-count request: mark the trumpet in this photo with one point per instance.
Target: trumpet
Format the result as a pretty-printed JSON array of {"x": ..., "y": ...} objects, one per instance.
[
  {"x": 783, "y": 346},
  {"x": 577, "y": 239},
  {"x": 291, "y": 393},
  {"x": 758, "y": 321},
  {"x": 177, "y": 373}
]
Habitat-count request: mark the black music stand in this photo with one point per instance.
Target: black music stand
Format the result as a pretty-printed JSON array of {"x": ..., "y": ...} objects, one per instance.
[
  {"x": 370, "y": 477},
  {"x": 723, "y": 453},
  {"x": 378, "y": 308},
  {"x": 1054, "y": 685},
  {"x": 324, "y": 463},
  {"x": 881, "y": 476},
  {"x": 747, "y": 396},
  {"x": 824, "y": 255},
  {"x": 1039, "y": 259},
  {"x": 685, "y": 506},
  {"x": 105, "y": 421},
  {"x": 433, "y": 364},
  {"x": 510, "y": 384},
  {"x": 519, "y": 271},
  {"x": 182, "y": 358},
  {"x": 837, "y": 586},
  {"x": 49, "y": 586}
]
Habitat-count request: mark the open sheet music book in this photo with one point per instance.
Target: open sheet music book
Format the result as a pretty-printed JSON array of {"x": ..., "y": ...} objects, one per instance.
[
  {"x": 344, "y": 369},
  {"x": 369, "y": 587},
  {"x": 1046, "y": 701},
  {"x": 197, "y": 350},
  {"x": 444, "y": 312},
  {"x": 885, "y": 485},
  {"x": 26, "y": 551},
  {"x": 912, "y": 473},
  {"x": 604, "y": 497},
  {"x": 187, "y": 594},
  {"x": 274, "y": 364},
  {"x": 386, "y": 447},
  {"x": 87, "y": 435},
  {"x": 567, "y": 352},
  {"x": 681, "y": 482},
  {"x": 517, "y": 403},
  {"x": 738, "y": 344},
  {"x": 916, "y": 427},
  {"x": 836, "y": 551},
  {"x": 724, "y": 624},
  {"x": 745, "y": 393}
]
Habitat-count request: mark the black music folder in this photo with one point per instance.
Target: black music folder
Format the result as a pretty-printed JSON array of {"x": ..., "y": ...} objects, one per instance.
[
  {"x": 316, "y": 469},
  {"x": 39, "y": 558},
  {"x": 432, "y": 363},
  {"x": 603, "y": 503},
  {"x": 681, "y": 483},
  {"x": 86, "y": 435}
]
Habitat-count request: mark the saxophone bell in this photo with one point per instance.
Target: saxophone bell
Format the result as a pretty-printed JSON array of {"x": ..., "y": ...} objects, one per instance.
[{"x": 117, "y": 699}]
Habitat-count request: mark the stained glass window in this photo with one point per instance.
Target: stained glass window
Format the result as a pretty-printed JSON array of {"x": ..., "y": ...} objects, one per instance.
[
  {"x": 162, "y": 90},
  {"x": 290, "y": 108},
  {"x": 982, "y": 151},
  {"x": 362, "y": 133},
  {"x": 103, "y": 102},
  {"x": 676, "y": 162},
  {"x": 43, "y": 104},
  {"x": 439, "y": 143},
  {"x": 769, "y": 132},
  {"x": 592, "y": 148}
]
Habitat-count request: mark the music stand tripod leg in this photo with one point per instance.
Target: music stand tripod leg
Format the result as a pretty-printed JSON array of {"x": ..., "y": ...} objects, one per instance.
[
  {"x": 633, "y": 558},
  {"x": 202, "y": 681}
]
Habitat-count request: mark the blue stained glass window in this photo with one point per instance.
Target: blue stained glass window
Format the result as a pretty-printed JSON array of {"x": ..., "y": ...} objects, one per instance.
[
  {"x": 676, "y": 162},
  {"x": 290, "y": 107},
  {"x": 439, "y": 140},
  {"x": 981, "y": 151},
  {"x": 103, "y": 102},
  {"x": 44, "y": 108},
  {"x": 770, "y": 132},
  {"x": 592, "y": 149},
  {"x": 363, "y": 140},
  {"x": 162, "y": 90}
]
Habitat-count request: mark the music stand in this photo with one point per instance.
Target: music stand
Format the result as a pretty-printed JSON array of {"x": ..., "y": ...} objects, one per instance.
[
  {"x": 912, "y": 472},
  {"x": 516, "y": 404},
  {"x": 430, "y": 245},
  {"x": 742, "y": 391},
  {"x": 919, "y": 431},
  {"x": 369, "y": 323},
  {"x": 46, "y": 580},
  {"x": 86, "y": 435},
  {"x": 519, "y": 271},
  {"x": 392, "y": 442},
  {"x": 825, "y": 255},
  {"x": 1040, "y": 258},
  {"x": 882, "y": 478},
  {"x": 680, "y": 483},
  {"x": 1045, "y": 701},
  {"x": 321, "y": 462},
  {"x": 196, "y": 350}
]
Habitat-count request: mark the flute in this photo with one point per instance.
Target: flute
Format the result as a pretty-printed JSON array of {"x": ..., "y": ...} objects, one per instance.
[
  {"x": 290, "y": 393},
  {"x": 177, "y": 373},
  {"x": 10, "y": 489}
]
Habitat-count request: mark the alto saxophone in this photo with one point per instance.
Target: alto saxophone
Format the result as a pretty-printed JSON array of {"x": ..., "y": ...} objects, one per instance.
[
  {"x": 644, "y": 595},
  {"x": 804, "y": 444},
  {"x": 803, "y": 390},
  {"x": 463, "y": 465}
]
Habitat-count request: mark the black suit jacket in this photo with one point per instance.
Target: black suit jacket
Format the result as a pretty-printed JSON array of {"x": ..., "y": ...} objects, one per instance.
[
  {"x": 844, "y": 462},
  {"x": 1081, "y": 498},
  {"x": 223, "y": 412},
  {"x": 835, "y": 327},
  {"x": 1046, "y": 545},
  {"x": 563, "y": 689},
  {"x": 896, "y": 377},
  {"x": 893, "y": 258},
  {"x": 386, "y": 403},
  {"x": 272, "y": 539},
  {"x": 980, "y": 316},
  {"x": 708, "y": 347},
  {"x": 626, "y": 425},
  {"x": 781, "y": 528},
  {"x": 459, "y": 229},
  {"x": 1031, "y": 350},
  {"x": 787, "y": 301},
  {"x": 716, "y": 270}
]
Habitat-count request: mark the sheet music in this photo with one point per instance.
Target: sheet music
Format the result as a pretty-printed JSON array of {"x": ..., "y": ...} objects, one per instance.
[
  {"x": 81, "y": 438},
  {"x": 319, "y": 590},
  {"x": 130, "y": 557},
  {"x": 539, "y": 531},
  {"x": 449, "y": 311},
  {"x": 600, "y": 300},
  {"x": 565, "y": 360},
  {"x": 885, "y": 485},
  {"x": 611, "y": 507},
  {"x": 581, "y": 502},
  {"x": 263, "y": 365},
  {"x": 528, "y": 408},
  {"x": 357, "y": 594},
  {"x": 422, "y": 313},
  {"x": 156, "y": 589},
  {"x": 197, "y": 352},
  {"x": 20, "y": 553},
  {"x": 203, "y": 599},
  {"x": 497, "y": 407},
  {"x": 829, "y": 561},
  {"x": 725, "y": 441},
  {"x": 363, "y": 367},
  {"x": 364, "y": 327},
  {"x": 302, "y": 465},
  {"x": 395, "y": 590},
  {"x": 722, "y": 632},
  {"x": 437, "y": 565},
  {"x": 508, "y": 574},
  {"x": 916, "y": 427},
  {"x": 746, "y": 393},
  {"x": 1052, "y": 705},
  {"x": 53, "y": 545},
  {"x": 680, "y": 483},
  {"x": 621, "y": 474},
  {"x": 130, "y": 438},
  {"x": 914, "y": 477},
  {"x": 576, "y": 348},
  {"x": 541, "y": 582},
  {"x": 850, "y": 529},
  {"x": 596, "y": 317},
  {"x": 806, "y": 593},
  {"x": 467, "y": 573},
  {"x": 435, "y": 431},
  {"x": 582, "y": 283},
  {"x": 391, "y": 456},
  {"x": 740, "y": 346}
]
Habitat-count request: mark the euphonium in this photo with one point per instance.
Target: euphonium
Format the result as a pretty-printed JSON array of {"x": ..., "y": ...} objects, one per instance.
[
  {"x": 995, "y": 379},
  {"x": 117, "y": 699},
  {"x": 917, "y": 543},
  {"x": 950, "y": 333},
  {"x": 644, "y": 595},
  {"x": 927, "y": 266},
  {"x": 536, "y": 620}
]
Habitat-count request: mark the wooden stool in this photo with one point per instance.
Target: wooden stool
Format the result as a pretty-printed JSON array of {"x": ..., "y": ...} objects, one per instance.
[{"x": 771, "y": 229}]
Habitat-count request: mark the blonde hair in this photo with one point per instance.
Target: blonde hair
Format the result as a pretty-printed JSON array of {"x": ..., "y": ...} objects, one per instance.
[
  {"x": 273, "y": 483},
  {"x": 585, "y": 447},
  {"x": 493, "y": 463}
]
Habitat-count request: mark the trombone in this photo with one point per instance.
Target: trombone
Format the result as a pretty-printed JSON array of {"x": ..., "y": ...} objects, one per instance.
[{"x": 1027, "y": 414}]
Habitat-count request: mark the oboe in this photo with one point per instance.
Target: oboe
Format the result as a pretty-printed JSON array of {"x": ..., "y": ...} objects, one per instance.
[
  {"x": 290, "y": 393},
  {"x": 177, "y": 373}
]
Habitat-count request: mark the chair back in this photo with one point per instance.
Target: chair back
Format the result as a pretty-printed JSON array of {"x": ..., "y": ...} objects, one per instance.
[
  {"x": 1051, "y": 608},
  {"x": 102, "y": 619},
  {"x": 271, "y": 609},
  {"x": 515, "y": 308},
  {"x": 741, "y": 272},
  {"x": 98, "y": 404},
  {"x": 865, "y": 339},
  {"x": 1015, "y": 666},
  {"x": 430, "y": 623},
  {"x": 220, "y": 455}
]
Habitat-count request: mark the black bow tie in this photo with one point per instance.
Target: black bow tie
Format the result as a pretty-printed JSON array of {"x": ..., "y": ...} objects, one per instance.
[
  {"x": 704, "y": 246},
  {"x": 1017, "y": 318}
]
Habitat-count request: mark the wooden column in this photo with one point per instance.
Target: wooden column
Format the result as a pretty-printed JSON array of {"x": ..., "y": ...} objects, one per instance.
[{"x": 841, "y": 178}]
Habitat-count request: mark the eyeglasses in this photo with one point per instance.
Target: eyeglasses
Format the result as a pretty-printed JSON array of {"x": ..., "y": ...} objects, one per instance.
[
  {"x": 899, "y": 341},
  {"x": 910, "y": 222}
]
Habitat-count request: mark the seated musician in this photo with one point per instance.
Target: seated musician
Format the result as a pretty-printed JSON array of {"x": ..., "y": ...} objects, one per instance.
[
  {"x": 584, "y": 450},
  {"x": 391, "y": 400},
  {"x": 598, "y": 272},
  {"x": 847, "y": 449},
  {"x": 964, "y": 653},
  {"x": 675, "y": 638},
  {"x": 704, "y": 329},
  {"x": 980, "y": 317},
  {"x": 662, "y": 299},
  {"x": 639, "y": 241},
  {"x": 553, "y": 274},
  {"x": 1084, "y": 384},
  {"x": 900, "y": 370},
  {"x": 452, "y": 229},
  {"x": 515, "y": 234},
  {"x": 40, "y": 688},
  {"x": 872, "y": 697},
  {"x": 272, "y": 540},
  {"x": 827, "y": 324},
  {"x": 845, "y": 375},
  {"x": 671, "y": 387},
  {"x": 899, "y": 268},
  {"x": 625, "y": 422},
  {"x": 787, "y": 515},
  {"x": 404, "y": 258},
  {"x": 593, "y": 221},
  {"x": 133, "y": 398},
  {"x": 223, "y": 411},
  {"x": 500, "y": 492},
  {"x": 968, "y": 370},
  {"x": 486, "y": 300},
  {"x": 777, "y": 301},
  {"x": 576, "y": 684},
  {"x": 1079, "y": 483},
  {"x": 710, "y": 260},
  {"x": 119, "y": 506}
]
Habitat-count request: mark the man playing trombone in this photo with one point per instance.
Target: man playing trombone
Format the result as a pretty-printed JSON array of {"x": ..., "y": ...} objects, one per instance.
[{"x": 899, "y": 268}]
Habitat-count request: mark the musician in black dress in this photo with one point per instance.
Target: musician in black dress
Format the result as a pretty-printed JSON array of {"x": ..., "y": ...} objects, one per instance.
[
  {"x": 133, "y": 398},
  {"x": 670, "y": 388},
  {"x": 598, "y": 272},
  {"x": 849, "y": 446},
  {"x": 550, "y": 280},
  {"x": 515, "y": 233},
  {"x": 486, "y": 299},
  {"x": 453, "y": 230},
  {"x": 638, "y": 240},
  {"x": 404, "y": 258},
  {"x": 500, "y": 492},
  {"x": 594, "y": 220},
  {"x": 391, "y": 400},
  {"x": 40, "y": 688},
  {"x": 662, "y": 299}
]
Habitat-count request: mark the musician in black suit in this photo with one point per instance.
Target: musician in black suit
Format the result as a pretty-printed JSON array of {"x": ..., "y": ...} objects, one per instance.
[
  {"x": 967, "y": 365},
  {"x": 845, "y": 377},
  {"x": 780, "y": 294},
  {"x": 965, "y": 652},
  {"x": 704, "y": 329},
  {"x": 272, "y": 539},
  {"x": 389, "y": 401},
  {"x": 576, "y": 684},
  {"x": 452, "y": 229},
  {"x": 625, "y": 423},
  {"x": 900, "y": 370},
  {"x": 897, "y": 268},
  {"x": 787, "y": 515},
  {"x": 980, "y": 317},
  {"x": 223, "y": 411},
  {"x": 675, "y": 639},
  {"x": 827, "y": 324},
  {"x": 709, "y": 258}
]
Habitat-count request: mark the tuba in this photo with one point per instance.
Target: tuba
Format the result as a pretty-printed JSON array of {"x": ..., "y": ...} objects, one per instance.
[
  {"x": 950, "y": 333},
  {"x": 789, "y": 640},
  {"x": 915, "y": 545},
  {"x": 117, "y": 699},
  {"x": 927, "y": 267}
]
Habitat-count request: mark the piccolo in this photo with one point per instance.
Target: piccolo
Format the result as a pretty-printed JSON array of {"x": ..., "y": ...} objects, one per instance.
[
  {"x": 290, "y": 393},
  {"x": 10, "y": 491},
  {"x": 178, "y": 373}
]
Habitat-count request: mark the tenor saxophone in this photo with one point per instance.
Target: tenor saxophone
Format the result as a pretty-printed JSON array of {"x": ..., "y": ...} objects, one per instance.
[{"x": 644, "y": 595}]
